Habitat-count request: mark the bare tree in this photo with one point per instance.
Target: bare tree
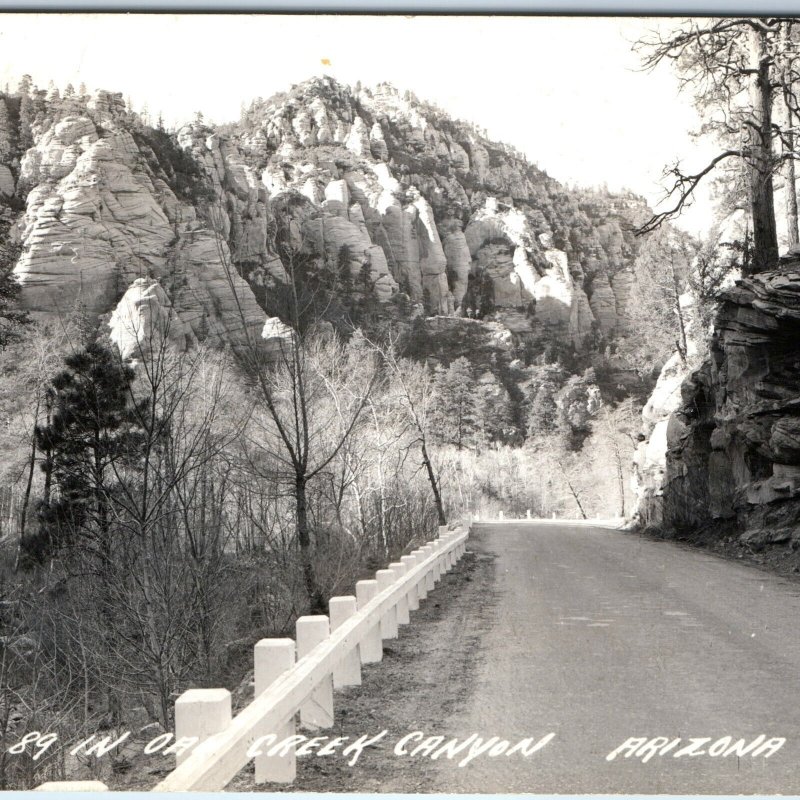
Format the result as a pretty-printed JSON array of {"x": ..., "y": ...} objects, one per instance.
[
  {"x": 415, "y": 390},
  {"x": 294, "y": 390}
]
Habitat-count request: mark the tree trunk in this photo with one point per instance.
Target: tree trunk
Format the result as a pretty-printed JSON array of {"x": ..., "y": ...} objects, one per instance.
[
  {"x": 437, "y": 497},
  {"x": 315, "y": 598},
  {"x": 792, "y": 235},
  {"x": 760, "y": 160},
  {"x": 573, "y": 491},
  {"x": 28, "y": 485},
  {"x": 620, "y": 479}
]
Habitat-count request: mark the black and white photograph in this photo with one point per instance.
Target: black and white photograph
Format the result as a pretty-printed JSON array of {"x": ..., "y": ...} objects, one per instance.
[{"x": 399, "y": 403}]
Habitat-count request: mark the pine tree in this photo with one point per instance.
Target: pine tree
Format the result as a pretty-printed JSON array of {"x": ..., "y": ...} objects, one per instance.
[
  {"x": 86, "y": 434},
  {"x": 13, "y": 319},
  {"x": 455, "y": 419},
  {"x": 543, "y": 414},
  {"x": 495, "y": 413},
  {"x": 27, "y": 115},
  {"x": 6, "y": 145}
]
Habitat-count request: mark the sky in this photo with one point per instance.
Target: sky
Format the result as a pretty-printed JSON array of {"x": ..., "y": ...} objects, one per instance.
[{"x": 568, "y": 92}]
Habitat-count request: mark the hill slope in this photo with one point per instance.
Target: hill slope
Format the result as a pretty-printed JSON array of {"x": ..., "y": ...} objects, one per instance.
[{"x": 386, "y": 193}]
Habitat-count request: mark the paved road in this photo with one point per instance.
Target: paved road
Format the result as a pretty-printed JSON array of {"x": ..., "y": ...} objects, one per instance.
[{"x": 598, "y": 636}]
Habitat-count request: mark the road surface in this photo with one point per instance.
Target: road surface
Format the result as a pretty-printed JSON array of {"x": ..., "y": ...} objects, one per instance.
[
  {"x": 593, "y": 634},
  {"x": 599, "y": 635}
]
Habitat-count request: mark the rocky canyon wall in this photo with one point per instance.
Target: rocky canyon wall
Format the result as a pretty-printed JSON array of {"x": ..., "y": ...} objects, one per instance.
[
  {"x": 724, "y": 439},
  {"x": 380, "y": 187}
]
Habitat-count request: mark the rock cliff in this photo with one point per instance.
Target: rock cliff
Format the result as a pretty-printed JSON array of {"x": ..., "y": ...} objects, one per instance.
[
  {"x": 438, "y": 212},
  {"x": 401, "y": 204},
  {"x": 100, "y": 214},
  {"x": 729, "y": 431}
]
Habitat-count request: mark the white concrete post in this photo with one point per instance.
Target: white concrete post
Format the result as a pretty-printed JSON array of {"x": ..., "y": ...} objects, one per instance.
[
  {"x": 413, "y": 595},
  {"x": 528, "y": 513},
  {"x": 500, "y": 515},
  {"x": 443, "y": 531},
  {"x": 422, "y": 585},
  {"x": 448, "y": 559},
  {"x": 400, "y": 570},
  {"x": 348, "y": 671},
  {"x": 201, "y": 713},
  {"x": 371, "y": 646},
  {"x": 430, "y": 581},
  {"x": 386, "y": 578},
  {"x": 271, "y": 659},
  {"x": 437, "y": 563},
  {"x": 71, "y": 786},
  {"x": 317, "y": 711}
]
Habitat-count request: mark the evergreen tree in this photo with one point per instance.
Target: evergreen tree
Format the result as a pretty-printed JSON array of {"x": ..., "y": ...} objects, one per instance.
[
  {"x": 27, "y": 114},
  {"x": 495, "y": 413},
  {"x": 543, "y": 413},
  {"x": 456, "y": 419},
  {"x": 6, "y": 146},
  {"x": 12, "y": 318},
  {"x": 87, "y": 432}
]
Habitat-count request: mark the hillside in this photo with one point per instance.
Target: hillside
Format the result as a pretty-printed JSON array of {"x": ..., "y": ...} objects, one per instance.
[{"x": 394, "y": 202}]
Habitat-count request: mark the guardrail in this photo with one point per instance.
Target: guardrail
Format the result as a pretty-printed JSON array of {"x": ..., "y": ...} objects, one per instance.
[
  {"x": 297, "y": 676},
  {"x": 325, "y": 659}
]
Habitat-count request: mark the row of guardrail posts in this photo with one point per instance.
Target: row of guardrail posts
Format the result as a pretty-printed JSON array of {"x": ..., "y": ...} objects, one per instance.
[
  {"x": 202, "y": 713},
  {"x": 274, "y": 656}
]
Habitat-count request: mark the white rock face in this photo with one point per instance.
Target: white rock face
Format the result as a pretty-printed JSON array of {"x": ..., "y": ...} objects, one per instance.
[
  {"x": 358, "y": 140},
  {"x": 650, "y": 458},
  {"x": 402, "y": 224},
  {"x": 56, "y": 152},
  {"x": 214, "y": 301},
  {"x": 278, "y": 337},
  {"x": 622, "y": 286},
  {"x": 554, "y": 290},
  {"x": 603, "y": 304},
  {"x": 143, "y": 319},
  {"x": 7, "y": 187},
  {"x": 98, "y": 218},
  {"x": 497, "y": 239},
  {"x": 101, "y": 214},
  {"x": 337, "y": 237},
  {"x": 90, "y": 232},
  {"x": 459, "y": 263},
  {"x": 377, "y": 143},
  {"x": 242, "y": 218}
]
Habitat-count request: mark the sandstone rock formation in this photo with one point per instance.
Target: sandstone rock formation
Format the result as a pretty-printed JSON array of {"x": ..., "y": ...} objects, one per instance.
[
  {"x": 99, "y": 216},
  {"x": 144, "y": 319},
  {"x": 731, "y": 437},
  {"x": 443, "y": 203},
  {"x": 424, "y": 213}
]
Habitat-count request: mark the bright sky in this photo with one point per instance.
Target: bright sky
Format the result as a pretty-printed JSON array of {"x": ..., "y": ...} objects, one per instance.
[{"x": 565, "y": 91}]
